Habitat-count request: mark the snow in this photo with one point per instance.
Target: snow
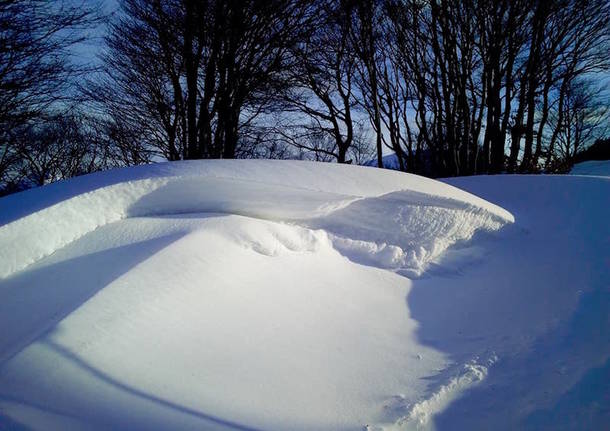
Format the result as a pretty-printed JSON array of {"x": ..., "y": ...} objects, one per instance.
[
  {"x": 44, "y": 220},
  {"x": 292, "y": 295},
  {"x": 594, "y": 167}
]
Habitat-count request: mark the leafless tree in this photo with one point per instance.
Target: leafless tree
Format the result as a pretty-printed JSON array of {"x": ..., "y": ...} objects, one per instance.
[
  {"x": 321, "y": 95},
  {"x": 481, "y": 74},
  {"x": 184, "y": 76},
  {"x": 584, "y": 118},
  {"x": 367, "y": 38},
  {"x": 54, "y": 148},
  {"x": 36, "y": 68}
]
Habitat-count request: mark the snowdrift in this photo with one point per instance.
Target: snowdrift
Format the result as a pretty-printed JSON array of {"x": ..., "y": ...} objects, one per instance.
[
  {"x": 44, "y": 220},
  {"x": 595, "y": 167},
  {"x": 262, "y": 295}
]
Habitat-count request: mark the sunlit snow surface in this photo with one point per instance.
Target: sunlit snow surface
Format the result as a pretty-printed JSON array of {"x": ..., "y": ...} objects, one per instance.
[{"x": 289, "y": 295}]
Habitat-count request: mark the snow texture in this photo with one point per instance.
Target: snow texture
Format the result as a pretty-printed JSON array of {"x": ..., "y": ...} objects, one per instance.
[
  {"x": 595, "y": 167},
  {"x": 261, "y": 295},
  {"x": 44, "y": 220}
]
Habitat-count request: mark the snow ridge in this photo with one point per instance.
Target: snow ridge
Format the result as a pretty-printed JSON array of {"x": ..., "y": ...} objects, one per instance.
[
  {"x": 599, "y": 168},
  {"x": 411, "y": 229},
  {"x": 339, "y": 199},
  {"x": 417, "y": 416},
  {"x": 471, "y": 375}
]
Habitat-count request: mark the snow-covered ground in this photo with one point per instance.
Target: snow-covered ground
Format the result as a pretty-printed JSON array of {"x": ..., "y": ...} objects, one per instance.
[
  {"x": 592, "y": 167},
  {"x": 276, "y": 295}
]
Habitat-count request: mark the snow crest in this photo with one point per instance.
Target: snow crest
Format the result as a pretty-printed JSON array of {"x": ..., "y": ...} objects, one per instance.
[
  {"x": 599, "y": 168},
  {"x": 382, "y": 218},
  {"x": 409, "y": 231}
]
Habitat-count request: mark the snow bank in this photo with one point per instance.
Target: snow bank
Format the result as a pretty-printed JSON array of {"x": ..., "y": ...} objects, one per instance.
[
  {"x": 203, "y": 321},
  {"x": 43, "y": 220},
  {"x": 596, "y": 168},
  {"x": 232, "y": 296}
]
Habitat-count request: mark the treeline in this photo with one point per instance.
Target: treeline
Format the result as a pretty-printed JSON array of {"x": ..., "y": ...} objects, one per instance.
[{"x": 452, "y": 88}]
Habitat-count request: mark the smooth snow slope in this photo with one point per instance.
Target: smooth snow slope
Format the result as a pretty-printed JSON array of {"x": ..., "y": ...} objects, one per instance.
[
  {"x": 232, "y": 295},
  {"x": 594, "y": 167},
  {"x": 44, "y": 220},
  {"x": 540, "y": 301}
]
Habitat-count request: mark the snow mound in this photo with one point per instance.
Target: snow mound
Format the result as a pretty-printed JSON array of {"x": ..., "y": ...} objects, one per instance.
[
  {"x": 422, "y": 217},
  {"x": 600, "y": 168},
  {"x": 233, "y": 296}
]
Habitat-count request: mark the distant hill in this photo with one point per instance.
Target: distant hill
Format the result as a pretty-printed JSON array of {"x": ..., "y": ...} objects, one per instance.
[
  {"x": 592, "y": 167},
  {"x": 390, "y": 161}
]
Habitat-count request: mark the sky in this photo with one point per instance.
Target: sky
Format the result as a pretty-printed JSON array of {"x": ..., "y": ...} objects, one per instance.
[{"x": 87, "y": 52}]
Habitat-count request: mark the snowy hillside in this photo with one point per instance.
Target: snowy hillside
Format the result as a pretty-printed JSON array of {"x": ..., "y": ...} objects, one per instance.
[
  {"x": 276, "y": 295},
  {"x": 593, "y": 167},
  {"x": 44, "y": 220}
]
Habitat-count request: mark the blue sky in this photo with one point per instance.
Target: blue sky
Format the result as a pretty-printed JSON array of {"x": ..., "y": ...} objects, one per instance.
[{"x": 88, "y": 51}]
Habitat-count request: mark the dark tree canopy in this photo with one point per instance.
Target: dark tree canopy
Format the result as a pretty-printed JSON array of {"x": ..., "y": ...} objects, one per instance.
[
  {"x": 36, "y": 70},
  {"x": 449, "y": 87},
  {"x": 185, "y": 76}
]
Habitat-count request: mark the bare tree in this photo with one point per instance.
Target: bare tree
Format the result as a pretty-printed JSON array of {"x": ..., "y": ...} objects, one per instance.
[
  {"x": 568, "y": 39},
  {"x": 321, "y": 96},
  {"x": 480, "y": 74},
  {"x": 366, "y": 26},
  {"x": 54, "y": 148},
  {"x": 36, "y": 71},
  {"x": 584, "y": 118},
  {"x": 185, "y": 76}
]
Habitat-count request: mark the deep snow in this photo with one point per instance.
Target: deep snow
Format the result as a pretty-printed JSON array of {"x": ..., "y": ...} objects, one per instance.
[
  {"x": 593, "y": 167},
  {"x": 293, "y": 295},
  {"x": 43, "y": 220}
]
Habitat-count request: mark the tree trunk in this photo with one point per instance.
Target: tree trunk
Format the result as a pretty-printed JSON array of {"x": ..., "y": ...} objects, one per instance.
[{"x": 191, "y": 69}]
